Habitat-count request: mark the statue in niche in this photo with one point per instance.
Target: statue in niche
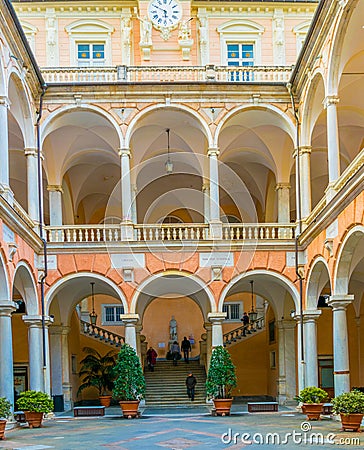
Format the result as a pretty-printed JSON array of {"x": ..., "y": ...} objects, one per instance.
[
  {"x": 145, "y": 31},
  {"x": 173, "y": 329}
]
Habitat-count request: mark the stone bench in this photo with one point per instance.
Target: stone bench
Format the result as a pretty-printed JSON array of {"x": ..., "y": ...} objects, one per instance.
[
  {"x": 263, "y": 407},
  {"x": 88, "y": 411}
]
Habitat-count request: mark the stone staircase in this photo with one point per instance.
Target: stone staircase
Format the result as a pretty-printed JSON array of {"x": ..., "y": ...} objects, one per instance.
[{"x": 166, "y": 385}]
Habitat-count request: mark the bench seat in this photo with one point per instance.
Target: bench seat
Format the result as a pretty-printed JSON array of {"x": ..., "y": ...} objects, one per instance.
[
  {"x": 263, "y": 407},
  {"x": 88, "y": 411}
]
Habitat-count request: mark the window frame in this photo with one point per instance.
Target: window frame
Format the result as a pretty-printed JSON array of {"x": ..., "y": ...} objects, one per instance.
[
  {"x": 240, "y": 313},
  {"x": 103, "y": 314},
  {"x": 90, "y": 60}
]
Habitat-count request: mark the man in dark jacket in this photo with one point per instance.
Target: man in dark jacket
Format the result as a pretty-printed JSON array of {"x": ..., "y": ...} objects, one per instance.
[
  {"x": 190, "y": 384},
  {"x": 186, "y": 348}
]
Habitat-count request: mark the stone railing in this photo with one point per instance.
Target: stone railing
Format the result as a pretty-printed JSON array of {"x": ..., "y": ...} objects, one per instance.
[
  {"x": 260, "y": 231},
  {"x": 234, "y": 336},
  {"x": 170, "y": 233},
  {"x": 166, "y": 74},
  {"x": 100, "y": 333}
]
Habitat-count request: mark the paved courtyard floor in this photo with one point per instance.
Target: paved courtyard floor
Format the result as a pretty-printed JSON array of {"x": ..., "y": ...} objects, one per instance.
[{"x": 189, "y": 427}]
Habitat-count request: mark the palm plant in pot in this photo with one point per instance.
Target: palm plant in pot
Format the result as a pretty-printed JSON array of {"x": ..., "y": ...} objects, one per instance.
[
  {"x": 350, "y": 406},
  {"x": 34, "y": 404},
  {"x": 312, "y": 398},
  {"x": 5, "y": 411},
  {"x": 97, "y": 371},
  {"x": 129, "y": 385},
  {"x": 221, "y": 379}
]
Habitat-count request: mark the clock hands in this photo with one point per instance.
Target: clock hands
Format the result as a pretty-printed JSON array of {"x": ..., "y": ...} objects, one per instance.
[{"x": 162, "y": 9}]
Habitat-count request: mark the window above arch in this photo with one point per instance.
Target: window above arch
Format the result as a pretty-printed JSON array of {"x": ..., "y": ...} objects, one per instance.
[
  {"x": 301, "y": 31},
  {"x": 240, "y": 43},
  {"x": 30, "y": 31},
  {"x": 90, "y": 43}
]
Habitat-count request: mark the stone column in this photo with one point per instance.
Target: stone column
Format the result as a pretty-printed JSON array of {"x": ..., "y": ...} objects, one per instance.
[
  {"x": 208, "y": 328},
  {"x": 215, "y": 221},
  {"x": 6, "y": 350},
  {"x": 66, "y": 376},
  {"x": 305, "y": 172},
  {"x": 333, "y": 150},
  {"x": 339, "y": 303},
  {"x": 55, "y": 205},
  {"x": 301, "y": 366},
  {"x": 38, "y": 374},
  {"x": 32, "y": 183},
  {"x": 216, "y": 319},
  {"x": 56, "y": 359},
  {"x": 4, "y": 151},
  {"x": 126, "y": 195},
  {"x": 283, "y": 202},
  {"x": 130, "y": 321},
  {"x": 286, "y": 361},
  {"x": 310, "y": 335},
  {"x": 134, "y": 211}
]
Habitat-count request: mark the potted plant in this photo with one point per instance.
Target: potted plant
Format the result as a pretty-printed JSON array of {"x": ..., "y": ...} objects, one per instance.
[
  {"x": 221, "y": 379},
  {"x": 34, "y": 404},
  {"x": 97, "y": 371},
  {"x": 312, "y": 398},
  {"x": 129, "y": 384},
  {"x": 5, "y": 411},
  {"x": 350, "y": 406}
]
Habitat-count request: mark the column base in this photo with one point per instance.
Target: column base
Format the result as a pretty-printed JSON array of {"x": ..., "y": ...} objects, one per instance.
[{"x": 216, "y": 230}]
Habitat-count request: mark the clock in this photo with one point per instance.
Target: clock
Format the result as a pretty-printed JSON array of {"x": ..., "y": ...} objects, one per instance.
[{"x": 164, "y": 13}]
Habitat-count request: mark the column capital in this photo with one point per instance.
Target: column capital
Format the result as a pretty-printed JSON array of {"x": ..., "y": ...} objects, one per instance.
[
  {"x": 330, "y": 100},
  {"x": 283, "y": 186},
  {"x": 305, "y": 149},
  {"x": 30, "y": 151},
  {"x": 6, "y": 308},
  {"x": 213, "y": 151},
  {"x": 129, "y": 319},
  {"x": 125, "y": 151},
  {"x": 4, "y": 101},
  {"x": 286, "y": 324},
  {"x": 59, "y": 329},
  {"x": 55, "y": 188},
  {"x": 340, "y": 301},
  {"x": 311, "y": 315},
  {"x": 205, "y": 186},
  {"x": 216, "y": 317},
  {"x": 36, "y": 320}
]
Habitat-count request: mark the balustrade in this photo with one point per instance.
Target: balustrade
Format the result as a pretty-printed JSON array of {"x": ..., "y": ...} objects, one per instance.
[
  {"x": 240, "y": 332},
  {"x": 166, "y": 74},
  {"x": 102, "y": 334}
]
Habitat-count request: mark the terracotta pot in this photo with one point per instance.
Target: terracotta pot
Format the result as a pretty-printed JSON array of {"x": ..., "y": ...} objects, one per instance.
[
  {"x": 105, "y": 400},
  {"x": 351, "y": 422},
  {"x": 223, "y": 406},
  {"x": 2, "y": 428},
  {"x": 312, "y": 410},
  {"x": 34, "y": 419},
  {"x": 129, "y": 408}
]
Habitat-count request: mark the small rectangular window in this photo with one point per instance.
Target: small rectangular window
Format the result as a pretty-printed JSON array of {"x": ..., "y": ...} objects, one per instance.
[
  {"x": 240, "y": 55},
  {"x": 90, "y": 54},
  {"x": 232, "y": 310},
  {"x": 111, "y": 314}
]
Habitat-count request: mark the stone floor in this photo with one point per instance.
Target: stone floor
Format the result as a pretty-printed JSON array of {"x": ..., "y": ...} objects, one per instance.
[{"x": 188, "y": 427}]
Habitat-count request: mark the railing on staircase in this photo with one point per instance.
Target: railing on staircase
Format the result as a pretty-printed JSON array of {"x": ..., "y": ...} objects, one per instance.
[
  {"x": 243, "y": 331},
  {"x": 100, "y": 333}
]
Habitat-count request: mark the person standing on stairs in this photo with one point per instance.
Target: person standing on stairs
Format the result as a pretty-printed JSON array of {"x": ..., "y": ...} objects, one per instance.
[
  {"x": 151, "y": 358},
  {"x": 186, "y": 348},
  {"x": 245, "y": 320},
  {"x": 190, "y": 384},
  {"x": 176, "y": 353}
]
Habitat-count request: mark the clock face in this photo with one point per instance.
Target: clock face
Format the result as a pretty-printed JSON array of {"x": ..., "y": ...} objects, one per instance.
[{"x": 164, "y": 13}]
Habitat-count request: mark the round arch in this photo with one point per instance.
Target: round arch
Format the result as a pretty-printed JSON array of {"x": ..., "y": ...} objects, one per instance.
[
  {"x": 289, "y": 127},
  {"x": 133, "y": 124},
  {"x": 46, "y": 126},
  {"x": 350, "y": 252},
  {"x": 76, "y": 286},
  {"x": 24, "y": 282},
  {"x": 280, "y": 280},
  {"x": 318, "y": 276},
  {"x": 23, "y": 115},
  {"x": 4, "y": 281},
  {"x": 173, "y": 281}
]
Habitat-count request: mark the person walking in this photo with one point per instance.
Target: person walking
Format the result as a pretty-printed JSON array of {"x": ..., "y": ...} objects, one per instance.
[
  {"x": 186, "y": 348},
  {"x": 190, "y": 384},
  {"x": 245, "y": 320},
  {"x": 151, "y": 358},
  {"x": 175, "y": 350}
]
